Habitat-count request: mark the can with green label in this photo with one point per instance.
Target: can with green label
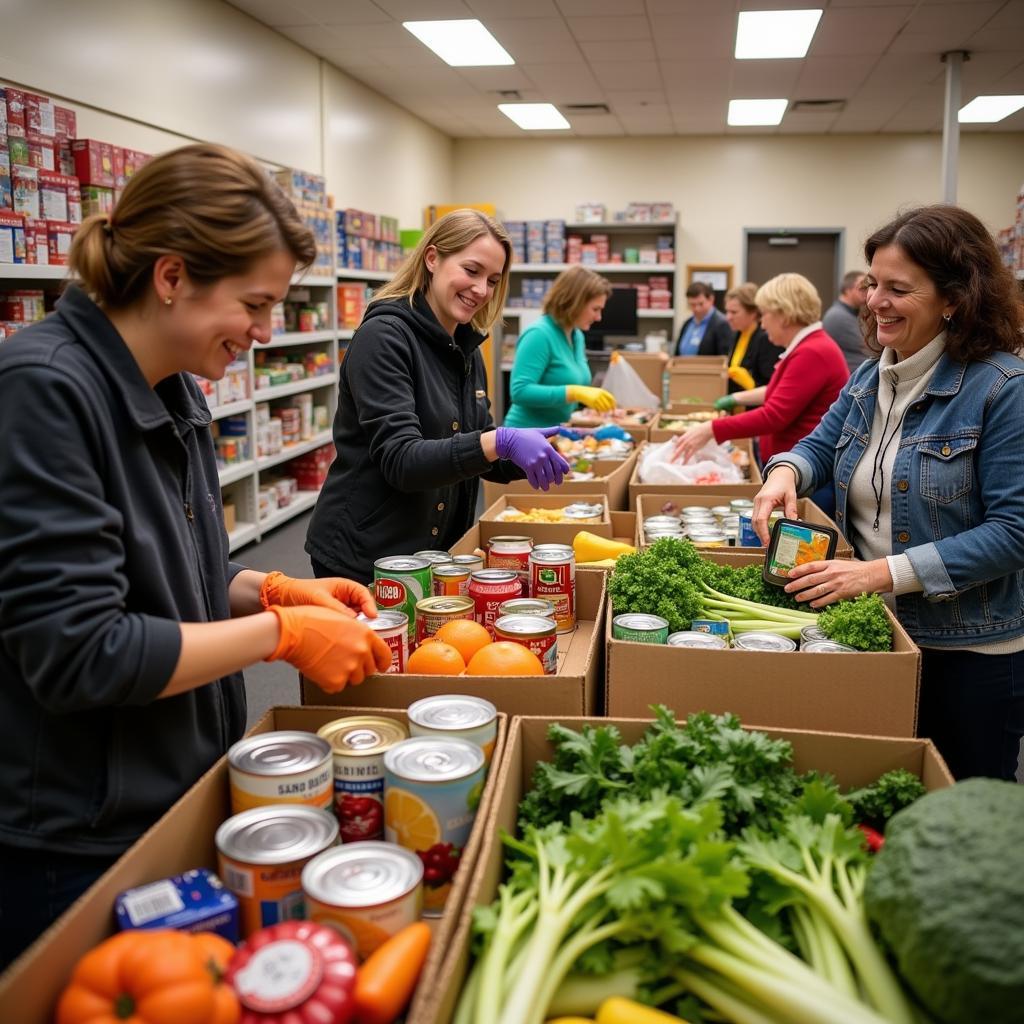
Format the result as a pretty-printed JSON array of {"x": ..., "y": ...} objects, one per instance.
[
  {"x": 399, "y": 581},
  {"x": 640, "y": 628}
]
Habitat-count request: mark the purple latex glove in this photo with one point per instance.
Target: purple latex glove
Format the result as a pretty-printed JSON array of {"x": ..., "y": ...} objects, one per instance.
[{"x": 529, "y": 450}]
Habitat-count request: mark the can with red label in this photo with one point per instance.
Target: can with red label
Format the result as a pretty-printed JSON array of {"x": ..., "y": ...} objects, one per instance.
[
  {"x": 450, "y": 580},
  {"x": 433, "y": 612},
  {"x": 534, "y": 632},
  {"x": 553, "y": 577},
  {"x": 399, "y": 581},
  {"x": 393, "y": 628},
  {"x": 510, "y": 553},
  {"x": 489, "y": 588}
]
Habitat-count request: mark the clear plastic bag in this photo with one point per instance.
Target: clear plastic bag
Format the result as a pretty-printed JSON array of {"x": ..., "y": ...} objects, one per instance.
[
  {"x": 711, "y": 465},
  {"x": 625, "y": 384}
]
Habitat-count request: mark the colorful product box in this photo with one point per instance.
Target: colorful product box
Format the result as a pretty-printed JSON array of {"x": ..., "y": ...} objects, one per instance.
[
  {"x": 94, "y": 162},
  {"x": 96, "y": 199},
  {"x": 15, "y": 108},
  {"x": 53, "y": 195},
  {"x": 58, "y": 237},
  {"x": 23, "y": 306},
  {"x": 40, "y": 115},
  {"x": 117, "y": 166},
  {"x": 196, "y": 901},
  {"x": 17, "y": 146},
  {"x": 37, "y": 243},
  {"x": 3, "y": 111},
  {"x": 6, "y": 196},
  {"x": 12, "y": 237},
  {"x": 74, "y": 201},
  {"x": 42, "y": 151},
  {"x": 65, "y": 122},
  {"x": 25, "y": 189}
]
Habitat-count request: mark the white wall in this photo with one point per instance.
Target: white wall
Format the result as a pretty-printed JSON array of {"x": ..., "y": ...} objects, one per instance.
[{"x": 721, "y": 185}]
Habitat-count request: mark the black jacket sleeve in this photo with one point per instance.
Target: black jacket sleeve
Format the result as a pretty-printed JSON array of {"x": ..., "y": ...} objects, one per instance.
[
  {"x": 761, "y": 357},
  {"x": 718, "y": 338}
]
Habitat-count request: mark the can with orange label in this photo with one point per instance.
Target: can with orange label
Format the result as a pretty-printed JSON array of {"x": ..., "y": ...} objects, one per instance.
[
  {"x": 260, "y": 857},
  {"x": 449, "y": 580},
  {"x": 284, "y": 767}
]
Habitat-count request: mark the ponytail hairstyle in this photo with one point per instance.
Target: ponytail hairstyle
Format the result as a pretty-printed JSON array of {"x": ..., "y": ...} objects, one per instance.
[
  {"x": 449, "y": 236},
  {"x": 214, "y": 207},
  {"x": 572, "y": 290}
]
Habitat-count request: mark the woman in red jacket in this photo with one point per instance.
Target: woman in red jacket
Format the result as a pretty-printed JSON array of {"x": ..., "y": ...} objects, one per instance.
[{"x": 807, "y": 378}]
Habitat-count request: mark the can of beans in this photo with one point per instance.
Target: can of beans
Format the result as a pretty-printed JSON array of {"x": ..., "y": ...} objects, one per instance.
[
  {"x": 450, "y": 580},
  {"x": 433, "y": 612},
  {"x": 393, "y": 628},
  {"x": 367, "y": 891},
  {"x": 528, "y": 606},
  {"x": 456, "y": 716},
  {"x": 640, "y": 628},
  {"x": 260, "y": 856},
  {"x": 511, "y": 552},
  {"x": 283, "y": 767},
  {"x": 534, "y": 632},
  {"x": 358, "y": 745},
  {"x": 399, "y": 581},
  {"x": 553, "y": 577},
  {"x": 489, "y": 589},
  {"x": 432, "y": 789}
]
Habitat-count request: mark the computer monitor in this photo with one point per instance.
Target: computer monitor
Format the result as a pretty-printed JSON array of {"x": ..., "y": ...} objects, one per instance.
[{"x": 618, "y": 319}]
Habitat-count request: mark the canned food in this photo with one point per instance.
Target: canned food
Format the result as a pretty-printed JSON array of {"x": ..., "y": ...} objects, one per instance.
[
  {"x": 655, "y": 521},
  {"x": 434, "y": 557},
  {"x": 399, "y": 581},
  {"x": 367, "y": 891},
  {"x": 284, "y": 767},
  {"x": 696, "y": 510},
  {"x": 640, "y": 628},
  {"x": 583, "y": 512},
  {"x": 470, "y": 562},
  {"x": 534, "y": 632},
  {"x": 693, "y": 638},
  {"x": 742, "y": 505},
  {"x": 489, "y": 589},
  {"x": 810, "y": 633},
  {"x": 527, "y": 606},
  {"x": 553, "y": 577},
  {"x": 706, "y": 538},
  {"x": 763, "y": 642},
  {"x": 432, "y": 790},
  {"x": 393, "y": 629},
  {"x": 449, "y": 580},
  {"x": 456, "y": 716},
  {"x": 827, "y": 647},
  {"x": 433, "y": 612},
  {"x": 358, "y": 745},
  {"x": 260, "y": 856},
  {"x": 650, "y": 536},
  {"x": 713, "y": 626},
  {"x": 510, "y": 552},
  {"x": 721, "y": 511}
]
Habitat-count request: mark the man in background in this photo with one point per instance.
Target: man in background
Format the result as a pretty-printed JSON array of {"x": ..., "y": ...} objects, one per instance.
[
  {"x": 707, "y": 332},
  {"x": 842, "y": 319}
]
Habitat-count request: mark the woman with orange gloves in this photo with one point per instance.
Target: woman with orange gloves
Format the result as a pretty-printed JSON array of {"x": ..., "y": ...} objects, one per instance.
[{"x": 124, "y": 626}]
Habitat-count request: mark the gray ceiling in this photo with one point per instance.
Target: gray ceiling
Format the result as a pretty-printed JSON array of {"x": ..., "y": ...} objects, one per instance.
[{"x": 665, "y": 67}]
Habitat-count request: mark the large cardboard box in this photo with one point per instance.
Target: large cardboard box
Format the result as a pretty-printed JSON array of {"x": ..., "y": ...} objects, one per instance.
[
  {"x": 611, "y": 478},
  {"x": 183, "y": 839},
  {"x": 705, "y": 378},
  {"x": 651, "y": 504},
  {"x": 576, "y": 688},
  {"x": 542, "y": 533},
  {"x": 854, "y": 760},
  {"x": 743, "y": 490}
]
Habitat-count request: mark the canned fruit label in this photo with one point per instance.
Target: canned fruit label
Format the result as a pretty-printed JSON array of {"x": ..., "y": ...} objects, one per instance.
[
  {"x": 310, "y": 787},
  {"x": 368, "y": 928},
  {"x": 534, "y": 633},
  {"x": 451, "y": 581},
  {"x": 267, "y": 893},
  {"x": 359, "y": 797}
]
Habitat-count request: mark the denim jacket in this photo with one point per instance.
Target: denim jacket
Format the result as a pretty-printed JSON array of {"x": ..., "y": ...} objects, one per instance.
[{"x": 957, "y": 493}]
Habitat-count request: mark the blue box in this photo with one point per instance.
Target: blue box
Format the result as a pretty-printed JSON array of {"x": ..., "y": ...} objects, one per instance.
[{"x": 193, "y": 902}]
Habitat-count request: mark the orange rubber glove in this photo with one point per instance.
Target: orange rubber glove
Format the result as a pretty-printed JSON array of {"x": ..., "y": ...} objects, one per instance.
[
  {"x": 335, "y": 592},
  {"x": 328, "y": 648}
]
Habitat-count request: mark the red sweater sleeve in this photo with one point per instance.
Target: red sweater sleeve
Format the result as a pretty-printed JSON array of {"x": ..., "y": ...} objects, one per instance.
[{"x": 797, "y": 380}]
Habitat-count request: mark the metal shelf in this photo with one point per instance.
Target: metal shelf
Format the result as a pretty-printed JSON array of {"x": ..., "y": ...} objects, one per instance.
[
  {"x": 218, "y": 412},
  {"x": 243, "y": 533},
  {"x": 598, "y": 268},
  {"x": 33, "y": 272},
  {"x": 298, "y": 338},
  {"x": 658, "y": 314},
  {"x": 236, "y": 471},
  {"x": 303, "y": 501},
  {"x": 352, "y": 274},
  {"x": 292, "y": 451},
  {"x": 313, "y": 280},
  {"x": 321, "y": 380},
  {"x": 654, "y": 226}
]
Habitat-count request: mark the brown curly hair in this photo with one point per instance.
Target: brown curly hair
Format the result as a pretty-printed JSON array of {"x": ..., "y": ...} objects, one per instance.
[{"x": 957, "y": 252}]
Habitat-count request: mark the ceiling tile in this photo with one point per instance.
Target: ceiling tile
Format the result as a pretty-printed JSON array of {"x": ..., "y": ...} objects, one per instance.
[
  {"x": 314, "y": 37},
  {"x": 852, "y": 30},
  {"x": 939, "y": 27},
  {"x": 423, "y": 10},
  {"x": 561, "y": 81},
  {"x": 488, "y": 79},
  {"x": 345, "y": 59},
  {"x": 982, "y": 73},
  {"x": 351, "y": 12},
  {"x": 594, "y": 8},
  {"x": 594, "y": 30},
  {"x": 687, "y": 74},
  {"x": 831, "y": 77},
  {"x": 275, "y": 13},
  {"x": 806, "y": 124},
  {"x": 634, "y": 50},
  {"x": 637, "y": 98},
  {"x": 679, "y": 37},
  {"x": 615, "y": 75},
  {"x": 383, "y": 35},
  {"x": 1012, "y": 83},
  {"x": 997, "y": 39},
  {"x": 521, "y": 30},
  {"x": 486, "y": 10},
  {"x": 406, "y": 57},
  {"x": 1010, "y": 16},
  {"x": 601, "y": 124},
  {"x": 647, "y": 123},
  {"x": 764, "y": 79}
]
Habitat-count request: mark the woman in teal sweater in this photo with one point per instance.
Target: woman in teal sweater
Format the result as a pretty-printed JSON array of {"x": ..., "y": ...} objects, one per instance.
[{"x": 550, "y": 374}]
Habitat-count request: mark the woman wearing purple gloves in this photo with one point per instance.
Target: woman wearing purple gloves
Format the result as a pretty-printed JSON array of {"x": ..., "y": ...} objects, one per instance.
[{"x": 413, "y": 430}]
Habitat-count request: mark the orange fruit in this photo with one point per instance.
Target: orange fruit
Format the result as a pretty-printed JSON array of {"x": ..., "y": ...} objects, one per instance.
[
  {"x": 465, "y": 635},
  {"x": 504, "y": 658},
  {"x": 435, "y": 659}
]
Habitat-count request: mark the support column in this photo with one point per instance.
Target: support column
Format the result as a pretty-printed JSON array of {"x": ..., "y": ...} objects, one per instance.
[{"x": 954, "y": 60}]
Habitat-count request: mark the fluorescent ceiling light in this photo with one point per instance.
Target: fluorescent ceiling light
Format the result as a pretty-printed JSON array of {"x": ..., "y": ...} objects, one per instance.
[
  {"x": 534, "y": 116},
  {"x": 463, "y": 43},
  {"x": 764, "y": 35},
  {"x": 756, "y": 112},
  {"x": 989, "y": 109}
]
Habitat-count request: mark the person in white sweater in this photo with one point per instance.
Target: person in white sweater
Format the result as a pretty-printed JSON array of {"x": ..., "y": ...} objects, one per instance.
[{"x": 925, "y": 447}]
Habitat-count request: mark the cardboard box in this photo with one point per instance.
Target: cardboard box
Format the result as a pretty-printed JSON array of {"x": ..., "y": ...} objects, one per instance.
[
  {"x": 650, "y": 504},
  {"x": 704, "y": 378},
  {"x": 94, "y": 162},
  {"x": 574, "y": 689},
  {"x": 611, "y": 479},
  {"x": 542, "y": 533},
  {"x": 743, "y": 490},
  {"x": 650, "y": 366},
  {"x": 183, "y": 839},
  {"x": 853, "y": 760},
  {"x": 587, "y": 419}
]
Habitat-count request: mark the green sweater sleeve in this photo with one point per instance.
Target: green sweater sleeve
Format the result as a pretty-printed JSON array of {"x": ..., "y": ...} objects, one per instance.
[{"x": 534, "y": 357}]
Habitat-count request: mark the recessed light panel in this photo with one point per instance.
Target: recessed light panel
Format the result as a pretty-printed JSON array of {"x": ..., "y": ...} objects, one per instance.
[
  {"x": 534, "y": 116},
  {"x": 767, "y": 35},
  {"x": 989, "y": 109},
  {"x": 756, "y": 112},
  {"x": 462, "y": 43}
]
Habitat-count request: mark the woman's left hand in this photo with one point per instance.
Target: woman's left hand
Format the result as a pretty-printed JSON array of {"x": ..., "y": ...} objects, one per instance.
[
  {"x": 343, "y": 595},
  {"x": 824, "y": 583},
  {"x": 688, "y": 444}
]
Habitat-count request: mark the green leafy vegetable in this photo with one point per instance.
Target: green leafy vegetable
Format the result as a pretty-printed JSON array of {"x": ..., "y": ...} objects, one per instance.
[
  {"x": 860, "y": 623},
  {"x": 874, "y": 805}
]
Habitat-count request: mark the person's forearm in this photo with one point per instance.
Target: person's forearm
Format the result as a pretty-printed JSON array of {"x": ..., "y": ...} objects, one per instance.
[
  {"x": 244, "y": 592},
  {"x": 489, "y": 444},
  {"x": 210, "y": 650},
  {"x": 751, "y": 398}
]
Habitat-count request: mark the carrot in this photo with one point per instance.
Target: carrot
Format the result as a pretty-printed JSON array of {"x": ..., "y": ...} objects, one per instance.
[{"x": 387, "y": 978}]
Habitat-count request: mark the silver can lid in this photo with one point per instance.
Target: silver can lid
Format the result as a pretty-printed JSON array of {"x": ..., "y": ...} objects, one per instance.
[
  {"x": 695, "y": 510},
  {"x": 705, "y": 536},
  {"x": 363, "y": 874},
  {"x": 527, "y": 606},
  {"x": 430, "y": 759},
  {"x": 494, "y": 576},
  {"x": 764, "y": 642},
  {"x": 697, "y": 638},
  {"x": 514, "y": 539},
  {"x": 285, "y": 752},
  {"x": 401, "y": 563},
  {"x": 827, "y": 647},
  {"x": 640, "y": 621},
  {"x": 660, "y": 520},
  {"x": 276, "y": 834},
  {"x": 812, "y": 633},
  {"x": 582, "y": 510},
  {"x": 434, "y": 557},
  {"x": 743, "y": 504},
  {"x": 452, "y": 712},
  {"x": 467, "y": 560},
  {"x": 721, "y": 510},
  {"x": 525, "y": 625},
  {"x": 385, "y": 620},
  {"x": 552, "y": 553}
]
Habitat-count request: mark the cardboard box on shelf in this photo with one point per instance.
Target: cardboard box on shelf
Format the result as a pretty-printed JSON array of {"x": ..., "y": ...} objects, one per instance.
[
  {"x": 650, "y": 367},
  {"x": 543, "y": 533},
  {"x": 181, "y": 840},
  {"x": 94, "y": 162},
  {"x": 574, "y": 689},
  {"x": 230, "y": 516},
  {"x": 854, "y": 760},
  {"x": 744, "y": 490},
  {"x": 611, "y": 478},
  {"x": 702, "y": 377}
]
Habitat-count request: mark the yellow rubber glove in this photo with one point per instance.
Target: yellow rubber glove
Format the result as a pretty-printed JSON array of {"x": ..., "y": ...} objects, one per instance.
[
  {"x": 327, "y": 647},
  {"x": 740, "y": 375},
  {"x": 345, "y": 596},
  {"x": 594, "y": 398}
]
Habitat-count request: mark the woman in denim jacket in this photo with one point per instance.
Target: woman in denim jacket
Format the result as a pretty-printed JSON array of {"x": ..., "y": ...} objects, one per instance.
[{"x": 926, "y": 448}]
